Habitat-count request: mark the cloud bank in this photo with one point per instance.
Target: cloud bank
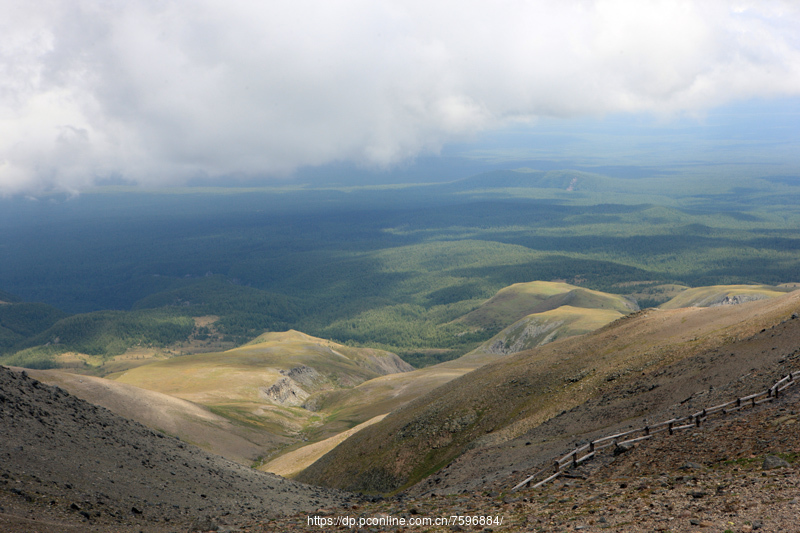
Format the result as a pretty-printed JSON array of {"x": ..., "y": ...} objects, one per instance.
[{"x": 162, "y": 91}]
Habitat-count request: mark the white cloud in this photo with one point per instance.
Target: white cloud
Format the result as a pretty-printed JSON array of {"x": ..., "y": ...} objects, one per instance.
[{"x": 162, "y": 91}]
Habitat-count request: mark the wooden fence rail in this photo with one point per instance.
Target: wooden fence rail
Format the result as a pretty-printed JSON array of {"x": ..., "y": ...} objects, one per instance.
[{"x": 586, "y": 452}]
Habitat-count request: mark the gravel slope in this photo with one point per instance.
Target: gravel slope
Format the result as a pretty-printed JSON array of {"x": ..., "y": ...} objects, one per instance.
[{"x": 65, "y": 461}]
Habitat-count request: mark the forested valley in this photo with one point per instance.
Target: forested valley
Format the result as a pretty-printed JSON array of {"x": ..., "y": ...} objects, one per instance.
[{"x": 390, "y": 266}]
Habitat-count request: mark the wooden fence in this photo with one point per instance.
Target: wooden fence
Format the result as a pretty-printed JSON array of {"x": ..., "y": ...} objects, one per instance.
[{"x": 583, "y": 453}]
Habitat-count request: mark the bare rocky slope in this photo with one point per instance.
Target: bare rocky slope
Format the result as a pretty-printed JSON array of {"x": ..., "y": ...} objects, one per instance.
[
  {"x": 190, "y": 422},
  {"x": 710, "y": 377},
  {"x": 67, "y": 465}
]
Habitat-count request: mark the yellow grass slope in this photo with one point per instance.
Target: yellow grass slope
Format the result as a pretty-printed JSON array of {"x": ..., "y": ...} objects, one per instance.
[
  {"x": 717, "y": 295},
  {"x": 262, "y": 385},
  {"x": 242, "y": 373},
  {"x": 292, "y": 463},
  {"x": 538, "y": 329},
  {"x": 517, "y": 301}
]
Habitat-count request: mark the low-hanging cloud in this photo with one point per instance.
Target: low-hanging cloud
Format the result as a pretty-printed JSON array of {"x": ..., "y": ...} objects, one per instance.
[{"x": 162, "y": 91}]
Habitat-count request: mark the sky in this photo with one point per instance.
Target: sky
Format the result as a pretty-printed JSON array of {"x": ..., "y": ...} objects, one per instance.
[{"x": 168, "y": 92}]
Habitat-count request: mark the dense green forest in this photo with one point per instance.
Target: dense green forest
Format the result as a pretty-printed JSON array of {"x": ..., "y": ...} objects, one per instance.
[{"x": 388, "y": 266}]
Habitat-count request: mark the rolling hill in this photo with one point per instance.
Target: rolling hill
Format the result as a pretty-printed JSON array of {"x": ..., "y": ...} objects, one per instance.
[
  {"x": 523, "y": 299},
  {"x": 540, "y": 312},
  {"x": 726, "y": 295},
  {"x": 538, "y": 329},
  {"x": 20, "y": 321},
  {"x": 97, "y": 337},
  {"x": 271, "y": 384}
]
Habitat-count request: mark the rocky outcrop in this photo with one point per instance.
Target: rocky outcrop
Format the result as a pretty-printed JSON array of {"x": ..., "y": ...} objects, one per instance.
[
  {"x": 300, "y": 382},
  {"x": 285, "y": 392},
  {"x": 306, "y": 377},
  {"x": 737, "y": 299},
  {"x": 531, "y": 335}
]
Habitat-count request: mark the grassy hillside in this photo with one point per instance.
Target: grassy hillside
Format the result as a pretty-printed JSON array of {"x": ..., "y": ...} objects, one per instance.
[
  {"x": 379, "y": 396},
  {"x": 102, "y": 334},
  {"x": 21, "y": 320},
  {"x": 542, "y": 328},
  {"x": 292, "y": 463},
  {"x": 271, "y": 384},
  {"x": 726, "y": 295},
  {"x": 517, "y": 393},
  {"x": 522, "y": 299}
]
